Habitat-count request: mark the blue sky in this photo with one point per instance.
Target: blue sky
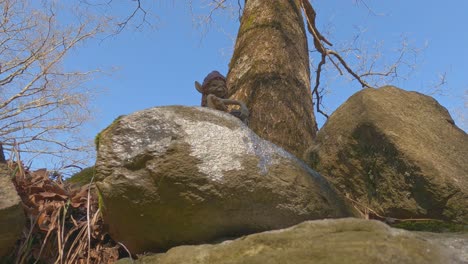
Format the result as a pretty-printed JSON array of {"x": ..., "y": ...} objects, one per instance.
[{"x": 156, "y": 67}]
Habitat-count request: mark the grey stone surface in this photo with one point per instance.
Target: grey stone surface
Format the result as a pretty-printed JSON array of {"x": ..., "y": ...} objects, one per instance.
[
  {"x": 188, "y": 175},
  {"x": 12, "y": 217},
  {"x": 335, "y": 241},
  {"x": 397, "y": 152},
  {"x": 457, "y": 242}
]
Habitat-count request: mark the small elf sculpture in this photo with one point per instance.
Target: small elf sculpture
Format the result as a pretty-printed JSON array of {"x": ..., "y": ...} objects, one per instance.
[{"x": 214, "y": 92}]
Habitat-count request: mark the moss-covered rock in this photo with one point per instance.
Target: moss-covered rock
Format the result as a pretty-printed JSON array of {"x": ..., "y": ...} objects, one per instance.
[
  {"x": 83, "y": 177},
  {"x": 432, "y": 226},
  {"x": 324, "y": 241},
  {"x": 183, "y": 175},
  {"x": 398, "y": 153},
  {"x": 97, "y": 138},
  {"x": 12, "y": 217}
]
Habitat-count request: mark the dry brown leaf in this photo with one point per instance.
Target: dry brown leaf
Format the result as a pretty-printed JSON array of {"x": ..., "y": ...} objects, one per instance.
[
  {"x": 45, "y": 201},
  {"x": 53, "y": 195},
  {"x": 43, "y": 222}
]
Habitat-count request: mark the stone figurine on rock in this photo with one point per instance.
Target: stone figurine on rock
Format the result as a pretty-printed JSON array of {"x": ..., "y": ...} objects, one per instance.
[
  {"x": 214, "y": 95},
  {"x": 194, "y": 175}
]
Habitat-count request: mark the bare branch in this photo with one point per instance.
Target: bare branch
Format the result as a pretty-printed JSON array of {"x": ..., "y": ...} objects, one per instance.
[
  {"x": 137, "y": 9},
  {"x": 315, "y": 91},
  {"x": 350, "y": 71},
  {"x": 240, "y": 10},
  {"x": 41, "y": 104},
  {"x": 369, "y": 72},
  {"x": 319, "y": 43},
  {"x": 371, "y": 11}
]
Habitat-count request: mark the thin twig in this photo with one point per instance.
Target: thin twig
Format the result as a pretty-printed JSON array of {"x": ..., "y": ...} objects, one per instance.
[
  {"x": 240, "y": 10},
  {"x": 319, "y": 41},
  {"x": 88, "y": 218},
  {"x": 386, "y": 218},
  {"x": 126, "y": 249}
]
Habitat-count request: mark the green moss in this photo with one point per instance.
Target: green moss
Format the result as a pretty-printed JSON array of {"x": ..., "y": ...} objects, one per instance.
[
  {"x": 101, "y": 204},
  {"x": 381, "y": 165},
  {"x": 83, "y": 177},
  {"x": 97, "y": 139},
  {"x": 248, "y": 23},
  {"x": 312, "y": 157},
  {"x": 431, "y": 226}
]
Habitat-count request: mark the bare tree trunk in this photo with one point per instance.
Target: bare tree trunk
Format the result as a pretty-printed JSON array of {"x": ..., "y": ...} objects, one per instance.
[{"x": 269, "y": 71}]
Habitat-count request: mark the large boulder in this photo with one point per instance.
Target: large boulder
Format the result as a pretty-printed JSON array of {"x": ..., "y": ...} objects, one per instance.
[
  {"x": 12, "y": 217},
  {"x": 396, "y": 152},
  {"x": 323, "y": 241},
  {"x": 457, "y": 242},
  {"x": 187, "y": 175}
]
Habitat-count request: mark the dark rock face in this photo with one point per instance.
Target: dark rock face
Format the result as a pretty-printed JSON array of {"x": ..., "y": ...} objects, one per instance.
[
  {"x": 12, "y": 218},
  {"x": 398, "y": 153},
  {"x": 322, "y": 242},
  {"x": 184, "y": 175}
]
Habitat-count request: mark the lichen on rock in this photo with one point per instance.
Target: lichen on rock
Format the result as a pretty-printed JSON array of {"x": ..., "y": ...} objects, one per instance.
[
  {"x": 187, "y": 175},
  {"x": 398, "y": 153},
  {"x": 12, "y": 217},
  {"x": 323, "y": 242}
]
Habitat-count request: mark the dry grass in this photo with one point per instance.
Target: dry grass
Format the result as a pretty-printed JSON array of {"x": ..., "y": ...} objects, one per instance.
[
  {"x": 368, "y": 213},
  {"x": 64, "y": 224}
]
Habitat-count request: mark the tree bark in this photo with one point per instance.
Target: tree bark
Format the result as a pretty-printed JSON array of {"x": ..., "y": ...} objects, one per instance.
[{"x": 270, "y": 72}]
